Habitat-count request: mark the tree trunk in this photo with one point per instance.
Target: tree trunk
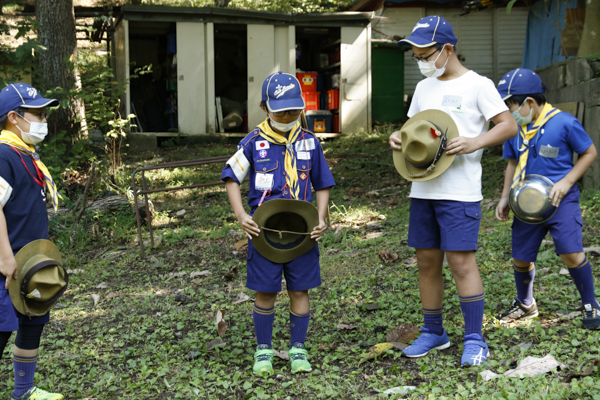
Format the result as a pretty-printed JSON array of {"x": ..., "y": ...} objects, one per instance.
[
  {"x": 56, "y": 19},
  {"x": 590, "y": 39}
]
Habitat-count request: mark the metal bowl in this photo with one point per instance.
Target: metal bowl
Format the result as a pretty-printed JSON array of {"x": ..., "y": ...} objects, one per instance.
[{"x": 530, "y": 199}]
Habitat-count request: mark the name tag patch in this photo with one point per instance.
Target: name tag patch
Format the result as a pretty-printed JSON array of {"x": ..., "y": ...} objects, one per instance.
[
  {"x": 262, "y": 145},
  {"x": 303, "y": 155},
  {"x": 305, "y": 144},
  {"x": 263, "y": 182},
  {"x": 549, "y": 151},
  {"x": 452, "y": 101}
]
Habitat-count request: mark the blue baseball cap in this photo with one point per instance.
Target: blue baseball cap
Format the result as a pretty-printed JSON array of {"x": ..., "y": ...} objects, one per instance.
[
  {"x": 520, "y": 81},
  {"x": 282, "y": 92},
  {"x": 22, "y": 95},
  {"x": 429, "y": 31}
]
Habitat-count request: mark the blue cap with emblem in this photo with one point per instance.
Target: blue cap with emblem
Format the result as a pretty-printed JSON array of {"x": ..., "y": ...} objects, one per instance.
[
  {"x": 282, "y": 92},
  {"x": 17, "y": 95},
  {"x": 520, "y": 81},
  {"x": 430, "y": 31}
]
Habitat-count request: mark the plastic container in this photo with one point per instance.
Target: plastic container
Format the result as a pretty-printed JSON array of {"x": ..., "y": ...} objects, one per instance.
[
  {"x": 335, "y": 123},
  {"x": 319, "y": 121},
  {"x": 308, "y": 81},
  {"x": 333, "y": 99},
  {"x": 312, "y": 100}
]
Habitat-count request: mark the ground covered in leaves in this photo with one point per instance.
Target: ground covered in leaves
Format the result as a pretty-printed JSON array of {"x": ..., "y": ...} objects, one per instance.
[{"x": 178, "y": 324}]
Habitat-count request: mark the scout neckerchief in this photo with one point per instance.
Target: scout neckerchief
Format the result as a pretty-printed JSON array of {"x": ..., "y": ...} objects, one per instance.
[
  {"x": 547, "y": 112},
  {"x": 291, "y": 173},
  {"x": 9, "y": 138}
]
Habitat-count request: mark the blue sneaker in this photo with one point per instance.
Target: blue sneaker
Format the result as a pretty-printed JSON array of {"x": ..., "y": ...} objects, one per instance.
[
  {"x": 475, "y": 352},
  {"x": 426, "y": 342}
]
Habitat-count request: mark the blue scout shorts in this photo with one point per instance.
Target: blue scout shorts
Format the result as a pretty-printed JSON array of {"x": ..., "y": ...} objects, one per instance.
[
  {"x": 444, "y": 224},
  {"x": 565, "y": 227},
  {"x": 301, "y": 273},
  {"x": 10, "y": 318}
]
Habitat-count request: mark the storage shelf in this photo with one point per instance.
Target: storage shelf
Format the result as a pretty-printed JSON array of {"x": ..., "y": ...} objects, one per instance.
[
  {"x": 329, "y": 45},
  {"x": 330, "y": 66}
]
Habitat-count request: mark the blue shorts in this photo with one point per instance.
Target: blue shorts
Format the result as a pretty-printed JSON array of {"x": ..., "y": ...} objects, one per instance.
[
  {"x": 301, "y": 273},
  {"x": 444, "y": 224},
  {"x": 10, "y": 318},
  {"x": 565, "y": 227}
]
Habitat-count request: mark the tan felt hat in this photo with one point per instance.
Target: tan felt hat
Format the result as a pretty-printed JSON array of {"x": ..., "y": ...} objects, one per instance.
[
  {"x": 424, "y": 140},
  {"x": 285, "y": 227}
]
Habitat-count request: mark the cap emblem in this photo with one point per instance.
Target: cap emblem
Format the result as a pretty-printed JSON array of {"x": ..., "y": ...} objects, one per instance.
[
  {"x": 280, "y": 90},
  {"x": 419, "y": 25},
  {"x": 31, "y": 92}
]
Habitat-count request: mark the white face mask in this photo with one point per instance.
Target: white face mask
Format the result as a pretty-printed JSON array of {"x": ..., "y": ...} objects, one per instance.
[
  {"x": 521, "y": 120},
  {"x": 283, "y": 127},
  {"x": 37, "y": 132},
  {"x": 429, "y": 69}
]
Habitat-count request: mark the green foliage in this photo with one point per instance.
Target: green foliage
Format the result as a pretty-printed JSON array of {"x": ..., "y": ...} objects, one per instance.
[
  {"x": 20, "y": 63},
  {"x": 295, "y": 6}
]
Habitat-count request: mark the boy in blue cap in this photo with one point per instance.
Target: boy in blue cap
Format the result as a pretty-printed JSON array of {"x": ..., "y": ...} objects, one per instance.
[
  {"x": 23, "y": 219},
  {"x": 445, "y": 210},
  {"x": 545, "y": 145},
  {"x": 282, "y": 161}
]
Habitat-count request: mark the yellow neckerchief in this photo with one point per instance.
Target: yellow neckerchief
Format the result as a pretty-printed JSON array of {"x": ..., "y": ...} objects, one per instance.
[
  {"x": 547, "y": 112},
  {"x": 9, "y": 138},
  {"x": 291, "y": 173}
]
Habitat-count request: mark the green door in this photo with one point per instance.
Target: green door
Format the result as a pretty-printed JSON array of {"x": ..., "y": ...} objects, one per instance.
[{"x": 387, "y": 63}]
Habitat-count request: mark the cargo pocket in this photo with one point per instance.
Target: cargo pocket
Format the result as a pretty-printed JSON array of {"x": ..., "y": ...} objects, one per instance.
[{"x": 473, "y": 211}]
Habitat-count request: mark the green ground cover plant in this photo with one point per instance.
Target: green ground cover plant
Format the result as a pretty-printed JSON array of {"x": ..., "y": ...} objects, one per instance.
[{"x": 129, "y": 328}]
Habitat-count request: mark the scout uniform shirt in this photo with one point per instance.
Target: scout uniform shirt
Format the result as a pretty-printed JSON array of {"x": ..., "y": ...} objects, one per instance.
[{"x": 265, "y": 161}]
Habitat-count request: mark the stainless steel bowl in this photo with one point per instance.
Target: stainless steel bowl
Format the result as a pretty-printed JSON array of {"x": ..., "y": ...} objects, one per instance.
[{"x": 530, "y": 199}]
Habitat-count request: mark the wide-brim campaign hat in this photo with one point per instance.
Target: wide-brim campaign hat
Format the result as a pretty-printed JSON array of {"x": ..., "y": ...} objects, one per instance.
[
  {"x": 17, "y": 95},
  {"x": 281, "y": 91},
  {"x": 41, "y": 278},
  {"x": 530, "y": 201},
  {"x": 424, "y": 140},
  {"x": 285, "y": 227}
]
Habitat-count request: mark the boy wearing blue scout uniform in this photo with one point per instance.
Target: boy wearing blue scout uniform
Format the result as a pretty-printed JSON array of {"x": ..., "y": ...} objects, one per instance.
[
  {"x": 545, "y": 145},
  {"x": 23, "y": 219},
  {"x": 445, "y": 210},
  {"x": 282, "y": 161}
]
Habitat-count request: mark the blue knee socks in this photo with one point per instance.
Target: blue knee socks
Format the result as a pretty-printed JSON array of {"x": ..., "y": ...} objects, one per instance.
[
  {"x": 584, "y": 280},
  {"x": 24, "y": 372},
  {"x": 298, "y": 327},
  {"x": 472, "y": 310},
  {"x": 524, "y": 278},
  {"x": 434, "y": 319},
  {"x": 263, "y": 324}
]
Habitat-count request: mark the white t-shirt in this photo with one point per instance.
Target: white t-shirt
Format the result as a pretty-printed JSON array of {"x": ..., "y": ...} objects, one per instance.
[{"x": 471, "y": 100}]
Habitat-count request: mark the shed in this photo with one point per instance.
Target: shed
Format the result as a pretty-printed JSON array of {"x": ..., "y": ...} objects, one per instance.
[{"x": 202, "y": 57}]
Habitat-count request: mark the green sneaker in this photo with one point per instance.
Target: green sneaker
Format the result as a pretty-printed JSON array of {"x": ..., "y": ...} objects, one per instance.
[
  {"x": 263, "y": 361},
  {"x": 38, "y": 394},
  {"x": 298, "y": 358}
]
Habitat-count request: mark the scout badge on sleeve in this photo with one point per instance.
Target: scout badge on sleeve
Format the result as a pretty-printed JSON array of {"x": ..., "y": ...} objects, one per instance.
[
  {"x": 41, "y": 281},
  {"x": 285, "y": 227},
  {"x": 529, "y": 199},
  {"x": 424, "y": 140}
]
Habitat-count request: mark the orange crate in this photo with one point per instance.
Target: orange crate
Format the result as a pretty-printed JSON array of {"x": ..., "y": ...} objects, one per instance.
[
  {"x": 333, "y": 99},
  {"x": 308, "y": 81},
  {"x": 312, "y": 100}
]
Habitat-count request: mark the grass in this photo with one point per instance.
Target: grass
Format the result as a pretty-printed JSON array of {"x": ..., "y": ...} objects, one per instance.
[{"x": 151, "y": 334}]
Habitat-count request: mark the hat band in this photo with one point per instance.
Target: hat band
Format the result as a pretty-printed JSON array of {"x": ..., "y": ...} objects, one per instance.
[
  {"x": 32, "y": 271},
  {"x": 431, "y": 164}
]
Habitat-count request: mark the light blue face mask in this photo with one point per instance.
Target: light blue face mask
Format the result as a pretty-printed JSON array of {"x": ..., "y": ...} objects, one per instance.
[{"x": 521, "y": 120}]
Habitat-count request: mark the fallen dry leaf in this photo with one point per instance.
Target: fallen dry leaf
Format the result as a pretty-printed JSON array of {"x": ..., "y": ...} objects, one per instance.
[
  {"x": 399, "y": 346},
  {"x": 534, "y": 366},
  {"x": 102, "y": 285},
  {"x": 410, "y": 261},
  {"x": 96, "y": 299},
  {"x": 374, "y": 235},
  {"x": 387, "y": 255},
  {"x": 111, "y": 295},
  {"x": 283, "y": 354},
  {"x": 231, "y": 274},
  {"x": 587, "y": 372},
  {"x": 242, "y": 297},
  {"x": 402, "y": 334},
  {"x": 375, "y": 351},
  {"x": 328, "y": 346},
  {"x": 200, "y": 273},
  {"x": 221, "y": 323},
  {"x": 346, "y": 327},
  {"x": 238, "y": 245},
  {"x": 196, "y": 281},
  {"x": 74, "y": 271}
]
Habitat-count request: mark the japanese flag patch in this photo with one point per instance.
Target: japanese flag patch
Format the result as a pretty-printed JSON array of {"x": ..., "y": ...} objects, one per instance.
[{"x": 262, "y": 145}]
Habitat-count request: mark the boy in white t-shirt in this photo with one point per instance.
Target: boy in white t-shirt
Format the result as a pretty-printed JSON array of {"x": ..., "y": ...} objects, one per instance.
[{"x": 445, "y": 211}]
